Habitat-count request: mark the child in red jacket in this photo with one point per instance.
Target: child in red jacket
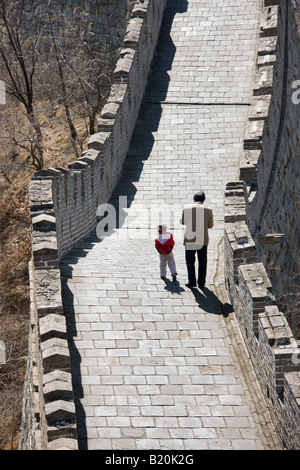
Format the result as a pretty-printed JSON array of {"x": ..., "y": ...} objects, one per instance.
[{"x": 164, "y": 243}]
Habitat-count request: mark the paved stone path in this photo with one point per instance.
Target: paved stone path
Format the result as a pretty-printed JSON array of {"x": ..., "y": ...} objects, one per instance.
[{"x": 153, "y": 362}]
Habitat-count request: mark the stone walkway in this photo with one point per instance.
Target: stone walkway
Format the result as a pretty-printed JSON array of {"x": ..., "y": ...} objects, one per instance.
[{"x": 153, "y": 362}]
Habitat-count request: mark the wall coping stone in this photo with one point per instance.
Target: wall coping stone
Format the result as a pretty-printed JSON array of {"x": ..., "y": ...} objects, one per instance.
[
  {"x": 270, "y": 342},
  {"x": 63, "y": 205}
]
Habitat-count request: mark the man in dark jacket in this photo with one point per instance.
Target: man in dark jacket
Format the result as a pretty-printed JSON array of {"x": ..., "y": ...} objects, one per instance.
[{"x": 197, "y": 219}]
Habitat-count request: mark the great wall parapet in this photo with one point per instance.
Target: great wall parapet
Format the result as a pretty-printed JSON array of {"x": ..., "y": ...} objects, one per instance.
[
  {"x": 271, "y": 344},
  {"x": 63, "y": 205},
  {"x": 265, "y": 330}
]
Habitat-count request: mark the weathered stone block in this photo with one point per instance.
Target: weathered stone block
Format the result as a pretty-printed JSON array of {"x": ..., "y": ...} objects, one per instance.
[
  {"x": 48, "y": 172},
  {"x": 56, "y": 375},
  {"x": 269, "y": 21},
  {"x": 60, "y": 410},
  {"x": 248, "y": 165},
  {"x": 97, "y": 141},
  {"x": 257, "y": 280},
  {"x": 254, "y": 134},
  {"x": 78, "y": 165},
  {"x": 48, "y": 291},
  {"x": 234, "y": 188},
  {"x": 40, "y": 194},
  {"x": 110, "y": 111},
  {"x": 63, "y": 444},
  {"x": 61, "y": 431},
  {"x": 263, "y": 81},
  {"x": 283, "y": 335},
  {"x": 124, "y": 64},
  {"x": 259, "y": 108},
  {"x": 44, "y": 247},
  {"x": 52, "y": 325},
  {"x": 267, "y": 46},
  {"x": 55, "y": 354},
  {"x": 105, "y": 125},
  {"x": 90, "y": 156},
  {"x": 293, "y": 381},
  {"x": 133, "y": 32},
  {"x": 43, "y": 222},
  {"x": 117, "y": 93},
  {"x": 140, "y": 9},
  {"x": 264, "y": 60},
  {"x": 57, "y": 389}
]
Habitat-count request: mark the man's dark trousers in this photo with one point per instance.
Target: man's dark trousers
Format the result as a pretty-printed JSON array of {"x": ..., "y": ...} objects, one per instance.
[{"x": 190, "y": 258}]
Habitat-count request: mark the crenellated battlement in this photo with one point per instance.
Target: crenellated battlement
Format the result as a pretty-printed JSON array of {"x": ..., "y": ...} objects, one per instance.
[
  {"x": 249, "y": 204},
  {"x": 63, "y": 205},
  {"x": 64, "y": 201}
]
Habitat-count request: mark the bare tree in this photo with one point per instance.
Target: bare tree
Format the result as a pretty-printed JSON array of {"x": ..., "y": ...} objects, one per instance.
[
  {"x": 19, "y": 55},
  {"x": 81, "y": 70},
  {"x": 63, "y": 93},
  {"x": 56, "y": 64},
  {"x": 92, "y": 68}
]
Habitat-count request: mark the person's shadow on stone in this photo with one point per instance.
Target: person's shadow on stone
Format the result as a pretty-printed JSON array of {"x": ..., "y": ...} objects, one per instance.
[
  {"x": 210, "y": 303},
  {"x": 173, "y": 286}
]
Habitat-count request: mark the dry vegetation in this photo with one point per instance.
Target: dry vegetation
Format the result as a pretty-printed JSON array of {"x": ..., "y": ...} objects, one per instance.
[
  {"x": 44, "y": 123},
  {"x": 15, "y": 253},
  {"x": 14, "y": 283}
]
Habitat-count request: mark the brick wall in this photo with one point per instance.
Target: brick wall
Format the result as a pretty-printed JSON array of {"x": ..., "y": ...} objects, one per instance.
[
  {"x": 271, "y": 158},
  {"x": 269, "y": 340},
  {"x": 257, "y": 211},
  {"x": 63, "y": 204},
  {"x": 105, "y": 21}
]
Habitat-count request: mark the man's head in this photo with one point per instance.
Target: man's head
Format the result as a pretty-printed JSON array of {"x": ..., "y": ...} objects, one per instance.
[{"x": 199, "y": 197}]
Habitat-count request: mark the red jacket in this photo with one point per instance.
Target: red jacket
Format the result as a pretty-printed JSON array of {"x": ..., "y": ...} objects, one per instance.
[{"x": 164, "y": 243}]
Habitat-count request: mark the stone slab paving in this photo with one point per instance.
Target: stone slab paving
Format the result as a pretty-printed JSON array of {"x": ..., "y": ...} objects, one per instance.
[{"x": 153, "y": 366}]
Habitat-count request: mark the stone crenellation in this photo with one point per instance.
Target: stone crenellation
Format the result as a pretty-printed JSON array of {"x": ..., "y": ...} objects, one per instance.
[
  {"x": 63, "y": 206},
  {"x": 251, "y": 202},
  {"x": 271, "y": 159}
]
